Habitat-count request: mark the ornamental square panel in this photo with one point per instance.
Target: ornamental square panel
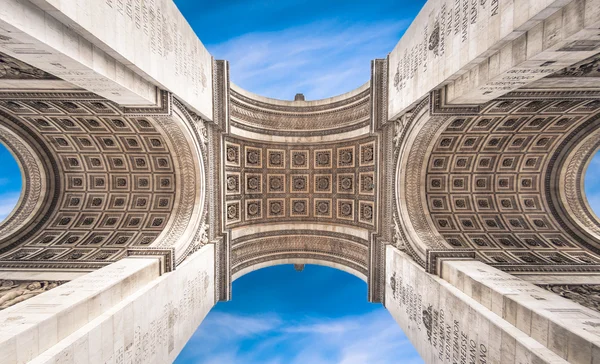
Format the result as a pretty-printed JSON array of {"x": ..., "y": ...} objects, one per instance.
[
  {"x": 275, "y": 207},
  {"x": 120, "y": 239},
  {"x": 367, "y": 183},
  {"x": 162, "y": 163},
  {"x": 485, "y": 163},
  {"x": 445, "y": 222},
  {"x": 323, "y": 158},
  {"x": 507, "y": 203},
  {"x": 299, "y": 183},
  {"x": 276, "y": 183},
  {"x": 254, "y": 183},
  {"x": 438, "y": 203},
  {"x": 519, "y": 143},
  {"x": 345, "y": 183},
  {"x": 493, "y": 222},
  {"x": 299, "y": 207},
  {"x": 323, "y": 207},
  {"x": 95, "y": 201},
  {"x": 253, "y": 157},
  {"x": 530, "y": 203},
  {"x": 533, "y": 163},
  {"x": 456, "y": 241},
  {"x": 564, "y": 123},
  {"x": 276, "y": 158},
  {"x": 367, "y": 154},
  {"x": 140, "y": 202},
  {"x": 120, "y": 182},
  {"x": 345, "y": 209},
  {"x": 96, "y": 239},
  {"x": 462, "y": 163},
  {"x": 529, "y": 183},
  {"x": 254, "y": 210},
  {"x": 232, "y": 154},
  {"x": 447, "y": 143},
  {"x": 118, "y": 201},
  {"x": 510, "y": 124},
  {"x": 139, "y": 163},
  {"x": 232, "y": 183},
  {"x": 118, "y": 163},
  {"x": 440, "y": 163},
  {"x": 483, "y": 183},
  {"x": 111, "y": 220},
  {"x": 437, "y": 183},
  {"x": 460, "y": 183},
  {"x": 509, "y": 163},
  {"x": 537, "y": 123},
  {"x": 461, "y": 203},
  {"x": 156, "y": 221},
  {"x": 506, "y": 183},
  {"x": 366, "y": 212},
  {"x": 346, "y": 157},
  {"x": 134, "y": 221},
  {"x": 532, "y": 241},
  {"x": 469, "y": 223},
  {"x": 459, "y": 124},
  {"x": 299, "y": 159},
  {"x": 470, "y": 143},
  {"x": 323, "y": 183},
  {"x": 233, "y": 212},
  {"x": 495, "y": 143}
]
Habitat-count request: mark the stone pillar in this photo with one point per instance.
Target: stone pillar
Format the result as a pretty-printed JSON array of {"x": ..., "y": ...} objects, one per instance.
[
  {"x": 33, "y": 326},
  {"x": 123, "y": 313},
  {"x": 447, "y": 325},
  {"x": 563, "y": 326}
]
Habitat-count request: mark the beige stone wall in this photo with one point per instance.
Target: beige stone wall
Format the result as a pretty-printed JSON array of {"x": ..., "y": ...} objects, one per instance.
[
  {"x": 120, "y": 50},
  {"x": 123, "y": 313},
  {"x": 31, "y": 327},
  {"x": 448, "y": 326},
  {"x": 485, "y": 49}
]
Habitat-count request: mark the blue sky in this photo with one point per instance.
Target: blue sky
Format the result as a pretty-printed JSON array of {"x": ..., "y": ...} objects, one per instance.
[
  {"x": 318, "y": 316},
  {"x": 278, "y": 48}
]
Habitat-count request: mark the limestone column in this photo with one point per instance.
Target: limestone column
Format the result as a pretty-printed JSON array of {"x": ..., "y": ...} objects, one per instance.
[
  {"x": 447, "y": 324},
  {"x": 123, "y": 313},
  {"x": 563, "y": 326}
]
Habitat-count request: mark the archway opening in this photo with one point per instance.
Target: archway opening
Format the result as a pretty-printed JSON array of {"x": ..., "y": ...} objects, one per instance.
[
  {"x": 592, "y": 183},
  {"x": 282, "y": 315},
  {"x": 10, "y": 183}
]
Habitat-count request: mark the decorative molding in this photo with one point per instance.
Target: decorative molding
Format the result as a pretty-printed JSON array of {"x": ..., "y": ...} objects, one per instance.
[{"x": 167, "y": 256}]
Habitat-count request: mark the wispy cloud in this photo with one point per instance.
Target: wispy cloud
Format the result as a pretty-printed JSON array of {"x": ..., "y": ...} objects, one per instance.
[
  {"x": 318, "y": 59},
  {"x": 370, "y": 338},
  {"x": 8, "y": 201}
]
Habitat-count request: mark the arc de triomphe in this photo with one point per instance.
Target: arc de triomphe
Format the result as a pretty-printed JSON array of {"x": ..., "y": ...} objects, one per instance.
[{"x": 452, "y": 182}]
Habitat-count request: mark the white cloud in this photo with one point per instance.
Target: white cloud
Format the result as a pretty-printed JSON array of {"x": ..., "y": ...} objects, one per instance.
[
  {"x": 319, "y": 59},
  {"x": 372, "y": 338},
  {"x": 8, "y": 201}
]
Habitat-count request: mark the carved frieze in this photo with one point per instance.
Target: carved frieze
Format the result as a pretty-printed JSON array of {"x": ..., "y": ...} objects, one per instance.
[{"x": 13, "y": 292}]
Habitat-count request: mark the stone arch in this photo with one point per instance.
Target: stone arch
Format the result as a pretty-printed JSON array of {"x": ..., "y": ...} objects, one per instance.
[
  {"x": 502, "y": 180},
  {"x": 336, "y": 250},
  {"x": 414, "y": 133},
  {"x": 113, "y": 179},
  {"x": 567, "y": 171},
  {"x": 37, "y": 174},
  {"x": 322, "y": 262}
]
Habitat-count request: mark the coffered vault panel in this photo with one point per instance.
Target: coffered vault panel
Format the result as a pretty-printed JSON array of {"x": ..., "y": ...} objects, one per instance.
[
  {"x": 494, "y": 178},
  {"x": 122, "y": 178},
  {"x": 298, "y": 182}
]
